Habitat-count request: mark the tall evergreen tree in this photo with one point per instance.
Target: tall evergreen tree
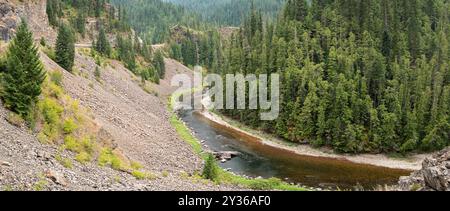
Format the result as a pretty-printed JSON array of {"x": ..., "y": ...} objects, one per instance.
[
  {"x": 158, "y": 62},
  {"x": 102, "y": 45},
  {"x": 24, "y": 72},
  {"x": 65, "y": 48}
]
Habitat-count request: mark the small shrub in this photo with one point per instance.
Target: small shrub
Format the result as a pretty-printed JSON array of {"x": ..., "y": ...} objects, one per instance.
[
  {"x": 136, "y": 165},
  {"x": 105, "y": 157},
  {"x": 51, "y": 131},
  {"x": 56, "y": 77},
  {"x": 71, "y": 144},
  {"x": 42, "y": 138},
  {"x": 69, "y": 126},
  {"x": 51, "y": 110},
  {"x": 42, "y": 42},
  {"x": 210, "y": 171},
  {"x": 97, "y": 74},
  {"x": 408, "y": 146},
  {"x": 67, "y": 163},
  {"x": 15, "y": 119},
  {"x": 50, "y": 52},
  {"x": 83, "y": 157},
  {"x": 116, "y": 163},
  {"x": 165, "y": 173},
  {"x": 87, "y": 145},
  {"x": 139, "y": 175},
  {"x": 40, "y": 185},
  {"x": 55, "y": 91}
]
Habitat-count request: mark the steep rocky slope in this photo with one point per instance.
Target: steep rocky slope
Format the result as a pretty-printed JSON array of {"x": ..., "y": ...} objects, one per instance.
[
  {"x": 137, "y": 121},
  {"x": 135, "y": 118},
  {"x": 434, "y": 175}
]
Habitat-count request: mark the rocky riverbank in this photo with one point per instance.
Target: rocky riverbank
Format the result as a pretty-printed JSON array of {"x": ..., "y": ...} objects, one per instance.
[{"x": 434, "y": 175}]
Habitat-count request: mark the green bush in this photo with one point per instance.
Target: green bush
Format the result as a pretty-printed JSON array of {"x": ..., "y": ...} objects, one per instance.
[
  {"x": 139, "y": 175},
  {"x": 67, "y": 163},
  {"x": 71, "y": 144},
  {"x": 210, "y": 171},
  {"x": 69, "y": 126},
  {"x": 50, "y": 52},
  {"x": 15, "y": 119},
  {"x": 136, "y": 165},
  {"x": 107, "y": 157},
  {"x": 51, "y": 110},
  {"x": 97, "y": 74},
  {"x": 42, "y": 42},
  {"x": 116, "y": 163},
  {"x": 56, "y": 77},
  {"x": 83, "y": 157},
  {"x": 408, "y": 146}
]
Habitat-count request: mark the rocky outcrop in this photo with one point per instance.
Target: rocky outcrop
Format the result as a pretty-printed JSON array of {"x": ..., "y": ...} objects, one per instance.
[
  {"x": 33, "y": 11},
  {"x": 434, "y": 175},
  {"x": 9, "y": 19}
]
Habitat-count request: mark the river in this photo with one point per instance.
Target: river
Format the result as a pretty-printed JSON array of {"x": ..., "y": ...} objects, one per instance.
[{"x": 260, "y": 160}]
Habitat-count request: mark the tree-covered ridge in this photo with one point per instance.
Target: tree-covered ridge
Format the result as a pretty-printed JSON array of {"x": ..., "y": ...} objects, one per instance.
[
  {"x": 359, "y": 76},
  {"x": 111, "y": 36},
  {"x": 230, "y": 12},
  {"x": 153, "y": 19}
]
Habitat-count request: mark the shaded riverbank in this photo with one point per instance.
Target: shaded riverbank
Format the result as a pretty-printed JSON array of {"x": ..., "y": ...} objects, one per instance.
[{"x": 411, "y": 163}]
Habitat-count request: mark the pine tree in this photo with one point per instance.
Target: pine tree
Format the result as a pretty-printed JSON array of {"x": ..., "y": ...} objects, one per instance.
[
  {"x": 158, "y": 62},
  {"x": 80, "y": 24},
  {"x": 102, "y": 45},
  {"x": 52, "y": 12},
  {"x": 65, "y": 48},
  {"x": 210, "y": 171},
  {"x": 24, "y": 72}
]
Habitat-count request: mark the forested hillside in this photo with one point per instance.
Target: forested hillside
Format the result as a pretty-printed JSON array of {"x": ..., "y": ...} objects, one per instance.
[
  {"x": 154, "y": 18},
  {"x": 358, "y": 76},
  {"x": 230, "y": 12}
]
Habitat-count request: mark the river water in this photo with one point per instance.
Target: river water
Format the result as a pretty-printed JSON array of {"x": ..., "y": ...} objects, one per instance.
[{"x": 260, "y": 160}]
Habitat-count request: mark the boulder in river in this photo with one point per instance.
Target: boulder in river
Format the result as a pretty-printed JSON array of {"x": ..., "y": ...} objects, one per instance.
[{"x": 225, "y": 156}]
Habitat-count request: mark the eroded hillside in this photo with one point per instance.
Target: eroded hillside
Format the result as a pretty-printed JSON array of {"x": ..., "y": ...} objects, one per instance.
[{"x": 131, "y": 115}]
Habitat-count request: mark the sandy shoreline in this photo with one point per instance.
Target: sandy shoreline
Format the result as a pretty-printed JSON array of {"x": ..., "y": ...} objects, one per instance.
[{"x": 413, "y": 162}]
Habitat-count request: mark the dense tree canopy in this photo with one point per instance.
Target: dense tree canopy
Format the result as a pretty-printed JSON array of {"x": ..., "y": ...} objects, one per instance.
[
  {"x": 230, "y": 12},
  {"x": 374, "y": 80}
]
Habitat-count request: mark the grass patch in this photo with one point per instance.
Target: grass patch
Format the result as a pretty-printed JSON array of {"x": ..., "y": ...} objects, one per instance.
[
  {"x": 69, "y": 126},
  {"x": 136, "y": 165},
  {"x": 15, "y": 119},
  {"x": 141, "y": 175},
  {"x": 66, "y": 162},
  {"x": 185, "y": 134},
  {"x": 41, "y": 184},
  {"x": 83, "y": 157},
  {"x": 109, "y": 158}
]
